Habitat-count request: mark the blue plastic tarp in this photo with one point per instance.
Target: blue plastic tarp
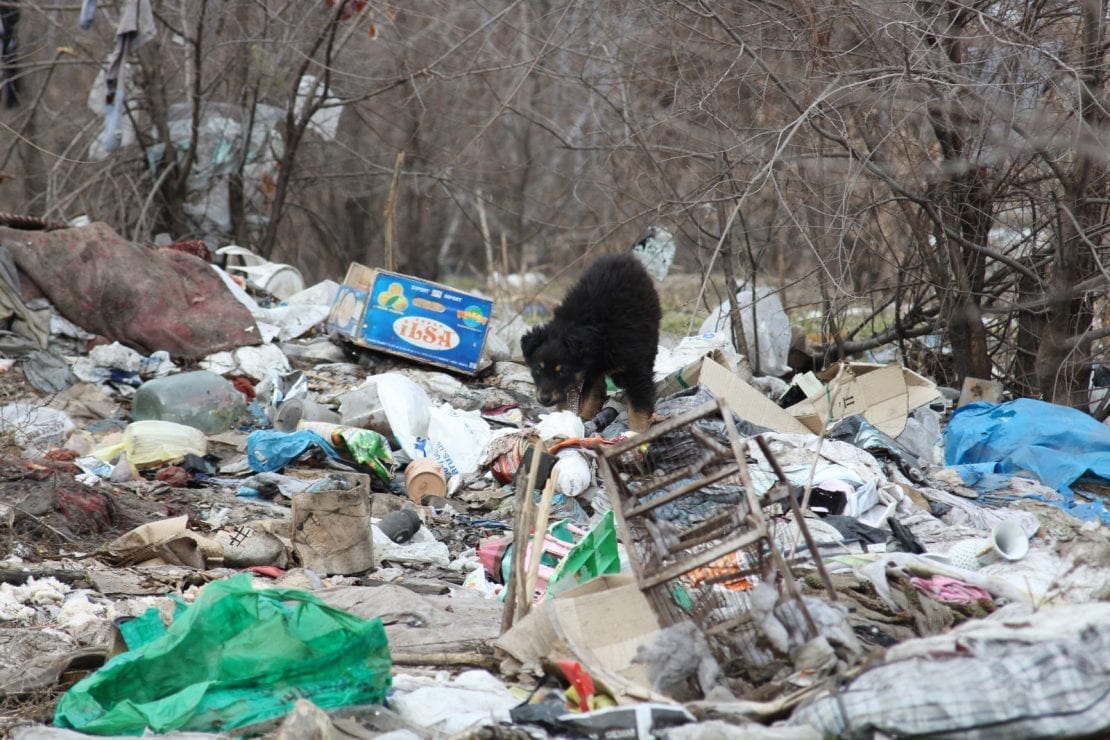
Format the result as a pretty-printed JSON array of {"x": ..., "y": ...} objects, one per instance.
[
  {"x": 269, "y": 450},
  {"x": 1056, "y": 444}
]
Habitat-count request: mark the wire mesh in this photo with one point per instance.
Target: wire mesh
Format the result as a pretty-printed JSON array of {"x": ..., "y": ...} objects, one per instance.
[{"x": 698, "y": 538}]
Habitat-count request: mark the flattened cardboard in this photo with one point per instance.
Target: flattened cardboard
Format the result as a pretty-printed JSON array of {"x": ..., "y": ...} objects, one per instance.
[
  {"x": 166, "y": 542},
  {"x": 686, "y": 376},
  {"x": 347, "y": 311},
  {"x": 977, "y": 389},
  {"x": 349, "y": 306},
  {"x": 884, "y": 394},
  {"x": 601, "y": 624},
  {"x": 746, "y": 401}
]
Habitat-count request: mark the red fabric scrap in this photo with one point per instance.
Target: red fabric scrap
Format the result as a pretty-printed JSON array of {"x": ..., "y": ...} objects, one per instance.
[
  {"x": 174, "y": 476},
  {"x": 147, "y": 299}
]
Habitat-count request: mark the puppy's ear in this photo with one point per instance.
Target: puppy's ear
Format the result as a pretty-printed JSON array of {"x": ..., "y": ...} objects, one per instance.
[
  {"x": 581, "y": 341},
  {"x": 532, "y": 340}
]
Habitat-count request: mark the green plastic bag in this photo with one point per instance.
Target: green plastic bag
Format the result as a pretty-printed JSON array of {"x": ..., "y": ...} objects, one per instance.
[{"x": 237, "y": 656}]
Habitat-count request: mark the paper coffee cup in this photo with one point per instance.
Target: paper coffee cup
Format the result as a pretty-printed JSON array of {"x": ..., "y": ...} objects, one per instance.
[{"x": 424, "y": 477}]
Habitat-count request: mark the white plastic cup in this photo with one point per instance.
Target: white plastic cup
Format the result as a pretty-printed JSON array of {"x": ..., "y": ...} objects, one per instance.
[
  {"x": 1008, "y": 542},
  {"x": 296, "y": 410}
]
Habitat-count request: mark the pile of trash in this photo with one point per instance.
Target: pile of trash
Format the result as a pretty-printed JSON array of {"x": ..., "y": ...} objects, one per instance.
[{"x": 231, "y": 504}]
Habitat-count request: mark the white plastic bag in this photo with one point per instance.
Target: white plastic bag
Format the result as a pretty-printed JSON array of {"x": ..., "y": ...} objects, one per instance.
[
  {"x": 282, "y": 322},
  {"x": 255, "y": 362},
  {"x": 422, "y": 549},
  {"x": 449, "y": 706},
  {"x": 36, "y": 427},
  {"x": 772, "y": 328},
  {"x": 457, "y": 440},
  {"x": 407, "y": 407},
  {"x": 692, "y": 348},
  {"x": 560, "y": 425}
]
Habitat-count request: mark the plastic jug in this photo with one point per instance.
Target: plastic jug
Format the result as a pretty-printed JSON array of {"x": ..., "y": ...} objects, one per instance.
[{"x": 200, "y": 399}]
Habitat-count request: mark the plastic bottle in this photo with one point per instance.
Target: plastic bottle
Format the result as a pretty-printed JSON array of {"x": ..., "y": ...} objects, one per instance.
[{"x": 200, "y": 399}]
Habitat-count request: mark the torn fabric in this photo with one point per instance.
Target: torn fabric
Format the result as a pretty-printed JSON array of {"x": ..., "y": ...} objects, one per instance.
[
  {"x": 136, "y": 27},
  {"x": 148, "y": 299}
]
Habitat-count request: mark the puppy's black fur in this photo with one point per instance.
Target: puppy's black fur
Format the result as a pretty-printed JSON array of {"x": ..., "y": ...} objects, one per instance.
[{"x": 607, "y": 324}]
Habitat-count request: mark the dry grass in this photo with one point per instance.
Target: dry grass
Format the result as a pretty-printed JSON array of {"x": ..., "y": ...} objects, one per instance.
[{"x": 678, "y": 295}]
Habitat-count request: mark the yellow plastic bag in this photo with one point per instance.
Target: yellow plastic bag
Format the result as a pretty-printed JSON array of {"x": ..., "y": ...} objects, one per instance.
[{"x": 152, "y": 443}]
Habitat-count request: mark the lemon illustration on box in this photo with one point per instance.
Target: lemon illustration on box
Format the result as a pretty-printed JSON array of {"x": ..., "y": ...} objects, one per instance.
[
  {"x": 393, "y": 298},
  {"x": 416, "y": 318}
]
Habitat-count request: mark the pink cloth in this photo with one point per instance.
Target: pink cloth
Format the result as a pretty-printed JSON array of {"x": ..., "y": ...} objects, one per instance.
[
  {"x": 147, "y": 299},
  {"x": 949, "y": 590}
]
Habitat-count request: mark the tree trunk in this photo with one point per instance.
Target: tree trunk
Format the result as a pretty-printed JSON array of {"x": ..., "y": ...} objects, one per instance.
[
  {"x": 964, "y": 218},
  {"x": 1063, "y": 364}
]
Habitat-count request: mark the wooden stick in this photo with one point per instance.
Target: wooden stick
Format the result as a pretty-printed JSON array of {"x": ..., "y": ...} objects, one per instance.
[
  {"x": 483, "y": 227},
  {"x": 539, "y": 533},
  {"x": 520, "y": 550},
  {"x": 390, "y": 207},
  {"x": 523, "y": 511},
  {"x": 17, "y": 575},
  {"x": 474, "y": 658}
]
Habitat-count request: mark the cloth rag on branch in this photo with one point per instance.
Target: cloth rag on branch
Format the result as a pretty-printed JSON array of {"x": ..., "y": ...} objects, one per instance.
[
  {"x": 88, "y": 13},
  {"x": 9, "y": 75},
  {"x": 136, "y": 27}
]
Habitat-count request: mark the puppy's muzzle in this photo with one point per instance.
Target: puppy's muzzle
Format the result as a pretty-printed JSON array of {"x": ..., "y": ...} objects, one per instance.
[{"x": 549, "y": 398}]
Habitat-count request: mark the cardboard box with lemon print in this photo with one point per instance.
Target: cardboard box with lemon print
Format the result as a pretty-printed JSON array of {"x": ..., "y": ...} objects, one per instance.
[{"x": 414, "y": 318}]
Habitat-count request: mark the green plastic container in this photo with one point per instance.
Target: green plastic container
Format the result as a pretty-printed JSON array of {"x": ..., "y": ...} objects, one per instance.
[{"x": 595, "y": 554}]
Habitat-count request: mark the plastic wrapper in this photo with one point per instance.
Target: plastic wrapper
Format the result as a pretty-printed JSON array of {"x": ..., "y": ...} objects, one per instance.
[
  {"x": 269, "y": 451},
  {"x": 238, "y": 656},
  {"x": 768, "y": 331},
  {"x": 1057, "y": 444},
  {"x": 364, "y": 446},
  {"x": 858, "y": 431},
  {"x": 36, "y": 427},
  {"x": 152, "y": 443}
]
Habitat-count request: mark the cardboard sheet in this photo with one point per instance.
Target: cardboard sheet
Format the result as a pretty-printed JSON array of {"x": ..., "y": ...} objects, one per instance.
[
  {"x": 166, "y": 542},
  {"x": 746, "y": 401},
  {"x": 601, "y": 624},
  {"x": 977, "y": 389},
  {"x": 686, "y": 376},
  {"x": 884, "y": 394}
]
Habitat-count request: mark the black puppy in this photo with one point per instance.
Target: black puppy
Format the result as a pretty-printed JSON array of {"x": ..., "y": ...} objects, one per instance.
[{"x": 607, "y": 324}]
